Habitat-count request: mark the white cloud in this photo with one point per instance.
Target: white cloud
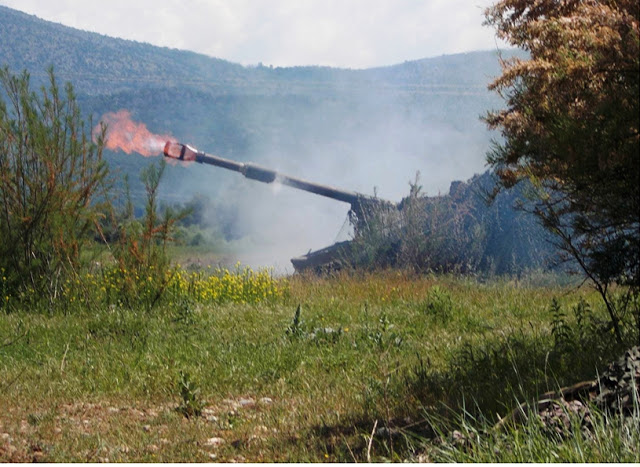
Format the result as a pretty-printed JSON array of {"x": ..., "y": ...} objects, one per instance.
[{"x": 345, "y": 33}]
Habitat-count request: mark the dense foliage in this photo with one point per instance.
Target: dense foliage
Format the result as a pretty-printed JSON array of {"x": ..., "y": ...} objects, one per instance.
[
  {"x": 458, "y": 232},
  {"x": 571, "y": 127}
]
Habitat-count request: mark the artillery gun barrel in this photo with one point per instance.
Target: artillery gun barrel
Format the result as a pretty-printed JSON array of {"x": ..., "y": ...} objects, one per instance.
[{"x": 255, "y": 172}]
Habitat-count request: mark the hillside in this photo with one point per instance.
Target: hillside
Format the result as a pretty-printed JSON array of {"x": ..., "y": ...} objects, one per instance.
[
  {"x": 247, "y": 112},
  {"x": 98, "y": 64},
  {"x": 365, "y": 130}
]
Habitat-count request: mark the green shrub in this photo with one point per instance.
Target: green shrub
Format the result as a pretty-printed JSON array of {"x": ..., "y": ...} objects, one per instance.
[
  {"x": 191, "y": 404},
  {"x": 51, "y": 175}
]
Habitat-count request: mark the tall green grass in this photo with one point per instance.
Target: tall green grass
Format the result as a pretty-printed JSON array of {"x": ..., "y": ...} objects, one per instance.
[
  {"x": 334, "y": 356},
  {"x": 610, "y": 438}
]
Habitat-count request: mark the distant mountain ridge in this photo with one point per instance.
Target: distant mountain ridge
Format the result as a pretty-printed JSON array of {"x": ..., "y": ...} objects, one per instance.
[
  {"x": 367, "y": 130},
  {"x": 99, "y": 64},
  {"x": 251, "y": 112}
]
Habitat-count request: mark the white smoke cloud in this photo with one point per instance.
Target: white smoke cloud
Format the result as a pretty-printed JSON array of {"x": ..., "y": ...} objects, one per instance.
[{"x": 380, "y": 153}]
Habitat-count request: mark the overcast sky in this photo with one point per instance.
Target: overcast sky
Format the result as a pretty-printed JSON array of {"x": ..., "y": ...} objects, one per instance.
[{"x": 343, "y": 33}]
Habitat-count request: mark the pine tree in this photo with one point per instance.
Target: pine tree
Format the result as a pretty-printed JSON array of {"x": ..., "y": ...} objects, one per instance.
[{"x": 51, "y": 176}]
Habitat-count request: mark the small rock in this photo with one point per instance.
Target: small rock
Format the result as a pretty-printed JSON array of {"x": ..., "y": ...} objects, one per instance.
[
  {"x": 146, "y": 428},
  {"x": 212, "y": 418},
  {"x": 214, "y": 441},
  {"x": 266, "y": 400},
  {"x": 152, "y": 448},
  {"x": 246, "y": 402},
  {"x": 113, "y": 410}
]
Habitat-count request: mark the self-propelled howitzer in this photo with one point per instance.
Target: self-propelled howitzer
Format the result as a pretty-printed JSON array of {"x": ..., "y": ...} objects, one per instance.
[{"x": 362, "y": 206}]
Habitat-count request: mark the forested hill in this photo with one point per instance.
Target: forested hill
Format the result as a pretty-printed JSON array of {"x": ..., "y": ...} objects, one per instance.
[
  {"x": 364, "y": 130},
  {"x": 98, "y": 64},
  {"x": 415, "y": 116}
]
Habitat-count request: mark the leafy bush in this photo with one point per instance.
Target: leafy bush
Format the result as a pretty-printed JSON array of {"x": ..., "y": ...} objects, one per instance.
[
  {"x": 191, "y": 404},
  {"x": 570, "y": 129},
  {"x": 423, "y": 234},
  {"x": 296, "y": 329},
  {"x": 439, "y": 304}
]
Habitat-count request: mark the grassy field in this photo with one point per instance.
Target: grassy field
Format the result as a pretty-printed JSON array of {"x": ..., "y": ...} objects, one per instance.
[{"x": 346, "y": 368}]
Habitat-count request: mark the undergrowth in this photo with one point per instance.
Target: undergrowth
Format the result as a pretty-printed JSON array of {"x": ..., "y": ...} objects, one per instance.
[
  {"x": 609, "y": 438},
  {"x": 354, "y": 367},
  {"x": 108, "y": 287}
]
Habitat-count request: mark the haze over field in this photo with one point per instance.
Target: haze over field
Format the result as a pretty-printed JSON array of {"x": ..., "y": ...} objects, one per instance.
[{"x": 363, "y": 130}]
